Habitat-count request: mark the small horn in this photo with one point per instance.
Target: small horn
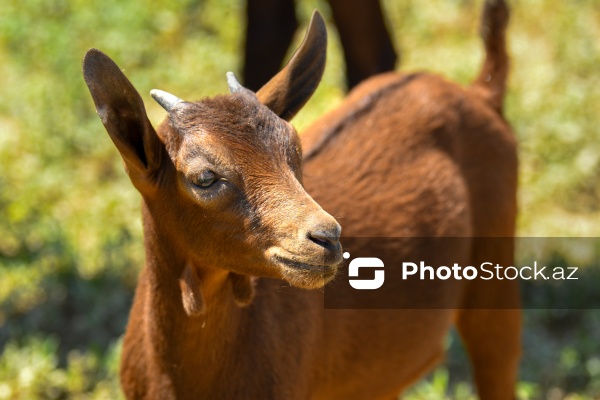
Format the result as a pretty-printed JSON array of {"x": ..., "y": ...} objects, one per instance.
[
  {"x": 166, "y": 100},
  {"x": 234, "y": 85}
]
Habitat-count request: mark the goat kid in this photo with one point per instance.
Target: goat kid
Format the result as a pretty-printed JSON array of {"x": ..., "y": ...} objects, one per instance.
[{"x": 226, "y": 217}]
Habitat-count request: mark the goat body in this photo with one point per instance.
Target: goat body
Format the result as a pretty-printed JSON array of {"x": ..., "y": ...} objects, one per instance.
[{"x": 226, "y": 219}]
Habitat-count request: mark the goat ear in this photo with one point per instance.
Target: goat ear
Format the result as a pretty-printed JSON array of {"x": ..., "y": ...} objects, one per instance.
[
  {"x": 122, "y": 112},
  {"x": 291, "y": 88}
]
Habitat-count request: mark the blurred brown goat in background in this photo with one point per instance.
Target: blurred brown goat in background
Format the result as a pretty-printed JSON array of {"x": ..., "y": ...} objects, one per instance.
[
  {"x": 271, "y": 24},
  {"x": 226, "y": 217}
]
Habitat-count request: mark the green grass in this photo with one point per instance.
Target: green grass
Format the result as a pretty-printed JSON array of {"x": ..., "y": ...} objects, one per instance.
[{"x": 70, "y": 232}]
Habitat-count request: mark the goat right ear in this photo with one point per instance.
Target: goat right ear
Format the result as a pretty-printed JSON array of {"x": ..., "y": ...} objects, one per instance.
[
  {"x": 290, "y": 89},
  {"x": 122, "y": 112}
]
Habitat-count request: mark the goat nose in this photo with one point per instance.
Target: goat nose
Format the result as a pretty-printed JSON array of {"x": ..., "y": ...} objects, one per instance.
[{"x": 325, "y": 234}]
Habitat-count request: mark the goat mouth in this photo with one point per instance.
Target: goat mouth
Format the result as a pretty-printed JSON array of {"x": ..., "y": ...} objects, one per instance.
[{"x": 303, "y": 274}]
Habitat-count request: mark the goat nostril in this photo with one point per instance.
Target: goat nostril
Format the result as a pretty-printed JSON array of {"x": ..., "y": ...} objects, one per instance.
[{"x": 325, "y": 238}]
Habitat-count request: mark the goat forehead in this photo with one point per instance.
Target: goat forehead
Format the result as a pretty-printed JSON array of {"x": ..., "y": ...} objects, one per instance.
[
  {"x": 234, "y": 118},
  {"x": 236, "y": 130}
]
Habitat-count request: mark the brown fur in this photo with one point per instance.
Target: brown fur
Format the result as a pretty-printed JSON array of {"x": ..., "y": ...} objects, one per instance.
[{"x": 404, "y": 156}]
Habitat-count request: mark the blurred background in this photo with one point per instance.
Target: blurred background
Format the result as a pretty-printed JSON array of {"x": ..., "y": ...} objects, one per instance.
[{"x": 70, "y": 232}]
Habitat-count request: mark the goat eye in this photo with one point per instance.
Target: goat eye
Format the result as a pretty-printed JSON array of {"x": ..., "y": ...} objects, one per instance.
[{"x": 205, "y": 179}]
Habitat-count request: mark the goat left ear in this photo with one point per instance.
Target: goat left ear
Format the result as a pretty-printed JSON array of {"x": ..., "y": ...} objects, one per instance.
[
  {"x": 122, "y": 112},
  {"x": 290, "y": 89}
]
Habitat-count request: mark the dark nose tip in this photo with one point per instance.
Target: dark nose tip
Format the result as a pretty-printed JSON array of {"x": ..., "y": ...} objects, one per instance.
[{"x": 326, "y": 235}]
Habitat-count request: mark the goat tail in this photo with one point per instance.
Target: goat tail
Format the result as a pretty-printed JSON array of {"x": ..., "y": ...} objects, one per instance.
[{"x": 491, "y": 83}]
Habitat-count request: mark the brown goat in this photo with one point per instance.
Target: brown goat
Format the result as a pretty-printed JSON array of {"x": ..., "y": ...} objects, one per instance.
[{"x": 226, "y": 218}]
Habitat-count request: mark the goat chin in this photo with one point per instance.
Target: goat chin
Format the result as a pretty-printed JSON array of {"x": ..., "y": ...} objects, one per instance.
[
  {"x": 304, "y": 272},
  {"x": 308, "y": 277}
]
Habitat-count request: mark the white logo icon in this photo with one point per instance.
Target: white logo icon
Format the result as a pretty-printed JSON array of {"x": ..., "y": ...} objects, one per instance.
[{"x": 365, "y": 262}]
